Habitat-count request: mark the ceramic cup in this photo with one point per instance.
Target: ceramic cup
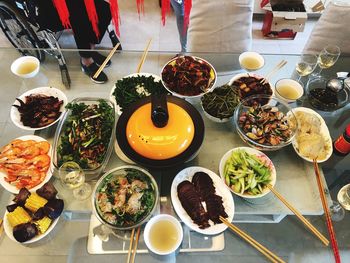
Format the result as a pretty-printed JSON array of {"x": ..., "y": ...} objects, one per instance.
[
  {"x": 288, "y": 90},
  {"x": 154, "y": 234},
  {"x": 251, "y": 60},
  {"x": 26, "y": 67}
]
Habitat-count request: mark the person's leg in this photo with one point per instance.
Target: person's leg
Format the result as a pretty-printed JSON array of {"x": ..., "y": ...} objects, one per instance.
[{"x": 179, "y": 13}]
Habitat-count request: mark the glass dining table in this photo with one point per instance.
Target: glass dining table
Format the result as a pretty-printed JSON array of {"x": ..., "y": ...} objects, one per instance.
[{"x": 79, "y": 237}]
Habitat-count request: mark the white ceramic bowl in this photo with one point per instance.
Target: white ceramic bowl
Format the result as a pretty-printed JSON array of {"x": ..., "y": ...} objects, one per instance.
[
  {"x": 253, "y": 55},
  {"x": 49, "y": 91},
  {"x": 249, "y": 150},
  {"x": 21, "y": 62},
  {"x": 291, "y": 84},
  {"x": 214, "y": 119},
  {"x": 150, "y": 224}
]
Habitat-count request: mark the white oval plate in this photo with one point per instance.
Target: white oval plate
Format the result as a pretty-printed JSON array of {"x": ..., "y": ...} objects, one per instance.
[
  {"x": 9, "y": 229},
  {"x": 255, "y": 152},
  {"x": 112, "y": 97},
  {"x": 324, "y": 132},
  {"x": 221, "y": 190},
  {"x": 49, "y": 91},
  {"x": 13, "y": 189}
]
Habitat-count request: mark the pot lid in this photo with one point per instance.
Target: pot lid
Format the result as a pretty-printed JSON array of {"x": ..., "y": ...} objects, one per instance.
[
  {"x": 160, "y": 131},
  {"x": 160, "y": 143}
]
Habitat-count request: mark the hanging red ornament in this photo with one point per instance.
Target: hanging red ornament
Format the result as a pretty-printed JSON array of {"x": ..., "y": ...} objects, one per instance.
[
  {"x": 140, "y": 7},
  {"x": 165, "y": 9},
  {"x": 187, "y": 11},
  {"x": 115, "y": 15},
  {"x": 92, "y": 14},
  {"x": 63, "y": 12}
]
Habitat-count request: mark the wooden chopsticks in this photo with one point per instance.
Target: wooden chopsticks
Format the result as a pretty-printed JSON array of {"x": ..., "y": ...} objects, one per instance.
[
  {"x": 323, "y": 239},
  {"x": 327, "y": 213},
  {"x": 133, "y": 245},
  {"x": 144, "y": 55},
  {"x": 266, "y": 252},
  {"x": 273, "y": 71},
  {"x": 106, "y": 61}
]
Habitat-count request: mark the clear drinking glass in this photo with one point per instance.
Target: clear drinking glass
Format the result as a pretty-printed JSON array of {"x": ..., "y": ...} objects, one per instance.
[
  {"x": 337, "y": 211},
  {"x": 306, "y": 65},
  {"x": 327, "y": 58},
  {"x": 73, "y": 177}
]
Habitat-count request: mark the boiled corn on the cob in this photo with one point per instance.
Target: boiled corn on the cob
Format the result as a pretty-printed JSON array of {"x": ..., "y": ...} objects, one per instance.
[
  {"x": 34, "y": 202},
  {"x": 18, "y": 216},
  {"x": 43, "y": 224}
]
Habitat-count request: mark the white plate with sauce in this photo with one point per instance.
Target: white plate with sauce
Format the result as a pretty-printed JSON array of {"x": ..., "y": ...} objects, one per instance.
[
  {"x": 324, "y": 132},
  {"x": 118, "y": 109},
  {"x": 12, "y": 188},
  {"x": 221, "y": 190},
  {"x": 48, "y": 91}
]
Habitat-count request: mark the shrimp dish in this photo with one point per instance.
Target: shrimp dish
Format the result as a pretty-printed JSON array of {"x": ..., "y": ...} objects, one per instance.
[
  {"x": 124, "y": 198},
  {"x": 25, "y": 162}
]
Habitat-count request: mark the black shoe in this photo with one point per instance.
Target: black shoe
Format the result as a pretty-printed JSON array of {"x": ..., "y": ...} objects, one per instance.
[
  {"x": 91, "y": 70},
  {"x": 99, "y": 59}
]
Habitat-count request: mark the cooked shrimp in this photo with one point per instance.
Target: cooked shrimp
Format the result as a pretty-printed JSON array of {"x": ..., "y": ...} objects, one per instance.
[
  {"x": 30, "y": 152},
  {"x": 44, "y": 147},
  {"x": 138, "y": 184},
  {"x": 22, "y": 144},
  {"x": 41, "y": 161},
  {"x": 119, "y": 198}
]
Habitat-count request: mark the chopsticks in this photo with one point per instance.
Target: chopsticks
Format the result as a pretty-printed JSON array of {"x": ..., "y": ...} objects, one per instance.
[
  {"x": 144, "y": 55},
  {"x": 327, "y": 213},
  {"x": 323, "y": 239},
  {"x": 273, "y": 71},
  {"x": 133, "y": 245},
  {"x": 266, "y": 252},
  {"x": 106, "y": 61}
]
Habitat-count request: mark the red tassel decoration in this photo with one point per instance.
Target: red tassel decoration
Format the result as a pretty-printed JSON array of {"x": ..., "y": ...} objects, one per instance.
[
  {"x": 165, "y": 9},
  {"x": 187, "y": 11},
  {"x": 140, "y": 7},
  {"x": 63, "y": 12},
  {"x": 92, "y": 14},
  {"x": 115, "y": 15}
]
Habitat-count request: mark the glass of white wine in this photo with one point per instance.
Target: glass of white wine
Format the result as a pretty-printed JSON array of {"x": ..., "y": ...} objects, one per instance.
[
  {"x": 327, "y": 58},
  {"x": 73, "y": 177},
  {"x": 306, "y": 65}
]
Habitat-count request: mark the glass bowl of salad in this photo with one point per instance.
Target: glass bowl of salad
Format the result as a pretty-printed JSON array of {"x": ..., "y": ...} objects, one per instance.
[
  {"x": 85, "y": 135},
  {"x": 125, "y": 197},
  {"x": 265, "y": 122},
  {"x": 247, "y": 172}
]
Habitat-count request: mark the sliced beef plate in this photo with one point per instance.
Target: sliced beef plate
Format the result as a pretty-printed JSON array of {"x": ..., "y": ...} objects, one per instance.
[{"x": 191, "y": 202}]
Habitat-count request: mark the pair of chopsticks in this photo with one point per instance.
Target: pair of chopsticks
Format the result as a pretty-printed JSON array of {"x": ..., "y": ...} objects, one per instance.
[
  {"x": 144, "y": 55},
  {"x": 133, "y": 245},
  {"x": 98, "y": 72},
  {"x": 266, "y": 252},
  {"x": 273, "y": 71},
  {"x": 327, "y": 213},
  {"x": 323, "y": 239}
]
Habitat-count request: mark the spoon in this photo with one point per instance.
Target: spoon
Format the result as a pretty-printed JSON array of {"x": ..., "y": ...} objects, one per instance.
[{"x": 335, "y": 85}]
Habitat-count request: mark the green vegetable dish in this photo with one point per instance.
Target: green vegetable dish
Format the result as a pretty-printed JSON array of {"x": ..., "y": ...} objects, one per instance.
[
  {"x": 86, "y": 134},
  {"x": 247, "y": 174},
  {"x": 126, "y": 198},
  {"x": 130, "y": 89}
]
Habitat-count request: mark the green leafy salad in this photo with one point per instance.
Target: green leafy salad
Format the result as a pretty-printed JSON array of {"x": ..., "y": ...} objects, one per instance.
[
  {"x": 126, "y": 198},
  {"x": 247, "y": 173},
  {"x": 131, "y": 89},
  {"x": 86, "y": 134}
]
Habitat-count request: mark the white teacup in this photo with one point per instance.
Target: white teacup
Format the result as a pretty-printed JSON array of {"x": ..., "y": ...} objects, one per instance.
[
  {"x": 26, "y": 67},
  {"x": 288, "y": 90},
  {"x": 251, "y": 60},
  {"x": 163, "y": 234}
]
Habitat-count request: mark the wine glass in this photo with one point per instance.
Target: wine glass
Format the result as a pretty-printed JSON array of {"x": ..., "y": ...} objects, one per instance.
[
  {"x": 73, "y": 177},
  {"x": 327, "y": 58},
  {"x": 337, "y": 211},
  {"x": 306, "y": 65}
]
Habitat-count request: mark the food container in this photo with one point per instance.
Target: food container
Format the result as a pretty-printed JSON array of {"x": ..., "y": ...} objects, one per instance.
[
  {"x": 197, "y": 76},
  {"x": 322, "y": 98},
  {"x": 160, "y": 131},
  {"x": 251, "y": 60},
  {"x": 26, "y": 67},
  {"x": 124, "y": 172},
  {"x": 254, "y": 136},
  {"x": 288, "y": 90},
  {"x": 261, "y": 156},
  {"x": 91, "y": 173}
]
